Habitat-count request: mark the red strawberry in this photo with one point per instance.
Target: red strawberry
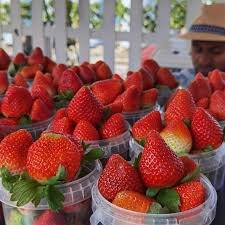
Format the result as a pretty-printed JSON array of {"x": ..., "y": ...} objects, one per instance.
[
  {"x": 60, "y": 113},
  {"x": 19, "y": 80},
  {"x": 159, "y": 166},
  {"x": 133, "y": 201},
  {"x": 84, "y": 105},
  {"x": 192, "y": 194},
  {"x": 28, "y": 72},
  {"x": 13, "y": 150},
  {"x": 148, "y": 79},
  {"x": 49, "y": 152},
  {"x": 117, "y": 77},
  {"x": 85, "y": 131},
  {"x": 180, "y": 107},
  {"x": 57, "y": 73},
  {"x": 114, "y": 126},
  {"x": 151, "y": 66},
  {"x": 118, "y": 175},
  {"x": 103, "y": 71},
  {"x": 216, "y": 80},
  {"x": 49, "y": 217},
  {"x": 200, "y": 88},
  {"x": 199, "y": 75},
  {"x": 16, "y": 102},
  {"x": 165, "y": 77},
  {"x": 49, "y": 65},
  {"x": 203, "y": 102},
  {"x": 20, "y": 59},
  {"x": 177, "y": 136},
  {"x": 106, "y": 91},
  {"x": 151, "y": 121},
  {"x": 189, "y": 165},
  {"x": 86, "y": 74},
  {"x": 36, "y": 57},
  {"x": 206, "y": 131},
  {"x": 4, "y": 60},
  {"x": 149, "y": 97},
  {"x": 135, "y": 79},
  {"x": 217, "y": 105},
  {"x": 40, "y": 111},
  {"x": 62, "y": 125},
  {"x": 115, "y": 107},
  {"x": 8, "y": 122},
  {"x": 3, "y": 81},
  {"x": 69, "y": 81}
]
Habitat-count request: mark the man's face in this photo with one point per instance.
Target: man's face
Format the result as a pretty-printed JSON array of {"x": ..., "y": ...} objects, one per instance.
[{"x": 208, "y": 55}]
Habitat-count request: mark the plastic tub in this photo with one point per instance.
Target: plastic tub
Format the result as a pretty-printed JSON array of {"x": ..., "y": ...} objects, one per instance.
[
  {"x": 132, "y": 117},
  {"x": 222, "y": 124},
  {"x": 76, "y": 208},
  {"x": 105, "y": 213},
  {"x": 116, "y": 145},
  {"x": 35, "y": 128},
  {"x": 212, "y": 163}
]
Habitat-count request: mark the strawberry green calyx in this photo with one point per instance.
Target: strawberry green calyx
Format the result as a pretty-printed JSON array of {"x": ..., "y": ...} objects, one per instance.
[
  {"x": 191, "y": 176},
  {"x": 156, "y": 208},
  {"x": 25, "y": 120},
  {"x": 152, "y": 192},
  {"x": 14, "y": 68}
]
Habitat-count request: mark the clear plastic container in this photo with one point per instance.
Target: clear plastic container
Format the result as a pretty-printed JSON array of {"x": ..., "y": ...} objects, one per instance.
[
  {"x": 116, "y": 145},
  {"x": 35, "y": 128},
  {"x": 132, "y": 117},
  {"x": 222, "y": 124},
  {"x": 212, "y": 163},
  {"x": 105, "y": 213},
  {"x": 76, "y": 208}
]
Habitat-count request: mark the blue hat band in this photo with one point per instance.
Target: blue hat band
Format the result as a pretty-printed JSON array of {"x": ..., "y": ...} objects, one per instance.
[{"x": 201, "y": 28}]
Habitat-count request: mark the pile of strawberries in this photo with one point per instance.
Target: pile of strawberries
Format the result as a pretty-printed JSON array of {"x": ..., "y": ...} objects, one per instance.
[
  {"x": 209, "y": 93},
  {"x": 187, "y": 128},
  {"x": 160, "y": 181},
  {"x": 87, "y": 119}
]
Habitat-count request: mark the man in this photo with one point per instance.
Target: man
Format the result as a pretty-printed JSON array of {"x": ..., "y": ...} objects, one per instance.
[{"x": 207, "y": 35}]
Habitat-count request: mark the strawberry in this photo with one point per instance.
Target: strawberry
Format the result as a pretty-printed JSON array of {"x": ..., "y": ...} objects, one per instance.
[
  {"x": 180, "y": 107},
  {"x": 114, "y": 126},
  {"x": 117, "y": 77},
  {"x": 85, "y": 131},
  {"x": 133, "y": 201},
  {"x": 151, "y": 121},
  {"x": 16, "y": 102},
  {"x": 20, "y": 59},
  {"x": 57, "y": 73},
  {"x": 135, "y": 79},
  {"x": 3, "y": 81},
  {"x": 189, "y": 165},
  {"x": 203, "y": 102},
  {"x": 200, "y": 88},
  {"x": 8, "y": 122},
  {"x": 147, "y": 78},
  {"x": 49, "y": 65},
  {"x": 19, "y": 80},
  {"x": 149, "y": 97},
  {"x": 4, "y": 60},
  {"x": 206, "y": 131},
  {"x": 36, "y": 57},
  {"x": 165, "y": 77},
  {"x": 62, "y": 125},
  {"x": 40, "y": 111},
  {"x": 159, "y": 166},
  {"x": 49, "y": 217},
  {"x": 106, "y": 91},
  {"x": 86, "y": 74},
  {"x": 217, "y": 105},
  {"x": 103, "y": 71},
  {"x": 115, "y": 107},
  {"x": 60, "y": 113},
  {"x": 216, "y": 80},
  {"x": 152, "y": 67},
  {"x": 177, "y": 136},
  {"x": 13, "y": 150},
  {"x": 192, "y": 194},
  {"x": 49, "y": 152},
  {"x": 84, "y": 105},
  {"x": 28, "y": 72},
  {"x": 199, "y": 75},
  {"x": 118, "y": 175},
  {"x": 69, "y": 81}
]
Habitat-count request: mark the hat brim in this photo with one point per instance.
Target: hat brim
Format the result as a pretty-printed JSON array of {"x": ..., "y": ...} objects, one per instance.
[{"x": 202, "y": 36}]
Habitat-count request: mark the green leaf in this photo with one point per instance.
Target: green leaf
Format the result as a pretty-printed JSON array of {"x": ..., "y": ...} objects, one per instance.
[
  {"x": 54, "y": 197},
  {"x": 187, "y": 122},
  {"x": 142, "y": 142},
  {"x": 25, "y": 120},
  {"x": 208, "y": 148},
  {"x": 93, "y": 154},
  {"x": 191, "y": 176},
  {"x": 169, "y": 198},
  {"x": 12, "y": 70},
  {"x": 58, "y": 178},
  {"x": 137, "y": 161},
  {"x": 156, "y": 208},
  {"x": 152, "y": 192}
]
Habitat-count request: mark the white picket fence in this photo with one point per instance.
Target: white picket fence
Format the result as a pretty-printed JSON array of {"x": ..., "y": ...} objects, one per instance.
[{"x": 42, "y": 34}]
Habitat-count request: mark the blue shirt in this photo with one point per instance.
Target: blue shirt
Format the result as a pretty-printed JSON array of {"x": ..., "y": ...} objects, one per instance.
[{"x": 184, "y": 77}]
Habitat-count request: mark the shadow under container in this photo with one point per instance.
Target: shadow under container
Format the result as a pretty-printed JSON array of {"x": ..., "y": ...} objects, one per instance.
[
  {"x": 132, "y": 117},
  {"x": 105, "y": 213},
  {"x": 212, "y": 164},
  {"x": 35, "y": 128},
  {"x": 116, "y": 145},
  {"x": 76, "y": 207}
]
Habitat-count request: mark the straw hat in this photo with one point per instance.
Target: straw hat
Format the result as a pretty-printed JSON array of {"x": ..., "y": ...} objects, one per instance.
[{"x": 209, "y": 26}]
